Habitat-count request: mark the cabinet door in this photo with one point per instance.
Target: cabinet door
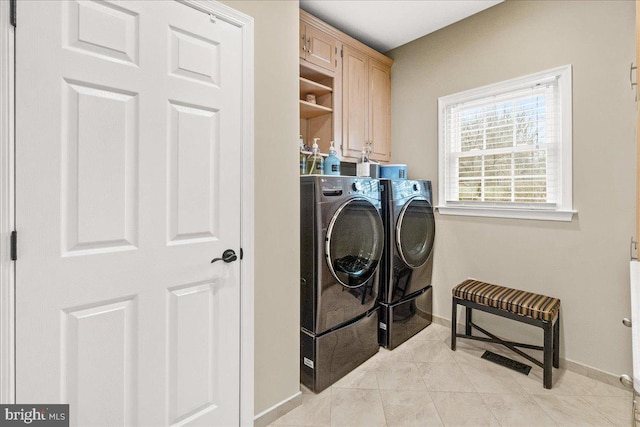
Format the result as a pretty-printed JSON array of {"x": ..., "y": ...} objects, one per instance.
[
  {"x": 354, "y": 101},
  {"x": 379, "y": 110},
  {"x": 321, "y": 48}
]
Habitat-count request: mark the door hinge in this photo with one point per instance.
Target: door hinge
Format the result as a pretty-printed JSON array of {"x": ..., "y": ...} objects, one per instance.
[
  {"x": 14, "y": 245},
  {"x": 12, "y": 12},
  {"x": 241, "y": 253}
]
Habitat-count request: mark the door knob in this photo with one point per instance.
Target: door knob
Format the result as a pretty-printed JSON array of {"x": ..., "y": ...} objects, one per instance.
[{"x": 227, "y": 256}]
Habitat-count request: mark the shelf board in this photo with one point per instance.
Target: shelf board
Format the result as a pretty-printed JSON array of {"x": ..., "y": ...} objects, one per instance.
[
  {"x": 309, "y": 86},
  {"x": 309, "y": 110},
  {"x": 316, "y": 75}
]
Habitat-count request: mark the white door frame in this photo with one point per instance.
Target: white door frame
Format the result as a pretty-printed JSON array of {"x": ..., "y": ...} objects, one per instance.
[
  {"x": 7, "y": 223},
  {"x": 7, "y": 219}
]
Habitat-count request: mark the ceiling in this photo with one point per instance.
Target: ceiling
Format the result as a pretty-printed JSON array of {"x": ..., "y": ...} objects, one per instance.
[{"x": 387, "y": 24}]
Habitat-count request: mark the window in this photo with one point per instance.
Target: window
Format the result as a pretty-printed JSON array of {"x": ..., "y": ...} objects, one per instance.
[{"x": 505, "y": 149}]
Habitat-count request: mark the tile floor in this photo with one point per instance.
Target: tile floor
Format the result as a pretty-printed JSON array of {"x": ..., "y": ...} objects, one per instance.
[{"x": 424, "y": 383}]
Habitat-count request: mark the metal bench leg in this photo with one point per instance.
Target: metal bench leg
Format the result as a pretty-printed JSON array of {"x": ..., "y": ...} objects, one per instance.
[
  {"x": 556, "y": 343},
  {"x": 454, "y": 322},
  {"x": 467, "y": 321},
  {"x": 548, "y": 354}
]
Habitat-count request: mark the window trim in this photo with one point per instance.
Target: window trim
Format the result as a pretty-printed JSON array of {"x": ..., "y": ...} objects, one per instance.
[{"x": 563, "y": 211}]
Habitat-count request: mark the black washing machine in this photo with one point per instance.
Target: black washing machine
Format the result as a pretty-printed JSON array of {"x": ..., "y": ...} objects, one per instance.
[
  {"x": 405, "y": 274},
  {"x": 341, "y": 245}
]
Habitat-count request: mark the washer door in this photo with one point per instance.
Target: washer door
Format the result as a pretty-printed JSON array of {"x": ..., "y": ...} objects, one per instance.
[
  {"x": 415, "y": 232},
  {"x": 354, "y": 243}
]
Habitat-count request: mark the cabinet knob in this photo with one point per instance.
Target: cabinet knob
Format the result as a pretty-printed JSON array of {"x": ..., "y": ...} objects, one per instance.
[{"x": 626, "y": 322}]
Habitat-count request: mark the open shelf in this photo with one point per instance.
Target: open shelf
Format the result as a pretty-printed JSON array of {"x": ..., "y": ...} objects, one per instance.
[
  {"x": 309, "y": 86},
  {"x": 316, "y": 118},
  {"x": 309, "y": 110}
]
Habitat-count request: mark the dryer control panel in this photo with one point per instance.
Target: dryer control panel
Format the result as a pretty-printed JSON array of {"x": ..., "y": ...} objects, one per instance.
[{"x": 350, "y": 186}]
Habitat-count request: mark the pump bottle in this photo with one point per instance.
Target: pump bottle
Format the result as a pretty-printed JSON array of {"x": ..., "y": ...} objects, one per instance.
[
  {"x": 332, "y": 162},
  {"x": 315, "y": 163}
]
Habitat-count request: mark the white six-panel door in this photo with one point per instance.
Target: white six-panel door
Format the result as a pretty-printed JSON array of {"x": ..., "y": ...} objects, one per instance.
[{"x": 128, "y": 184}]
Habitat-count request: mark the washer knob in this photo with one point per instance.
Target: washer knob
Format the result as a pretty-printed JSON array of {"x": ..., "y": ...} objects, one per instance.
[
  {"x": 357, "y": 186},
  {"x": 415, "y": 187}
]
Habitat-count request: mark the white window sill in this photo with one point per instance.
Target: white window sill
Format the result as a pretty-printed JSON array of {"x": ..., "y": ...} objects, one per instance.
[{"x": 491, "y": 212}]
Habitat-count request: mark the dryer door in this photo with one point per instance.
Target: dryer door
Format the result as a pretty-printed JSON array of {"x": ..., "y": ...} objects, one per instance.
[
  {"x": 415, "y": 232},
  {"x": 354, "y": 243}
]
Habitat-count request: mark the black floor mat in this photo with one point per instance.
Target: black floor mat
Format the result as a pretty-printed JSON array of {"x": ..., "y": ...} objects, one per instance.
[{"x": 505, "y": 361}]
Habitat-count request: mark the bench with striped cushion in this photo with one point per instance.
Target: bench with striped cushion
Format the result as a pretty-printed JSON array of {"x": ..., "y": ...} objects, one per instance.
[{"x": 528, "y": 307}]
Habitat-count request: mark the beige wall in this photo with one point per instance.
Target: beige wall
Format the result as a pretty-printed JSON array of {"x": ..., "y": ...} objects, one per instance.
[
  {"x": 277, "y": 324},
  {"x": 585, "y": 262}
]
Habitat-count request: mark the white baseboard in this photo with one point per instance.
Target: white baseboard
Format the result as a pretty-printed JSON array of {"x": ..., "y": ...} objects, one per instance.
[
  {"x": 569, "y": 365},
  {"x": 269, "y": 415}
]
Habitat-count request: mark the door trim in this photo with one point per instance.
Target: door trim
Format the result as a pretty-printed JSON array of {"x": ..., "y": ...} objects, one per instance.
[
  {"x": 245, "y": 22},
  {"x": 7, "y": 220}
]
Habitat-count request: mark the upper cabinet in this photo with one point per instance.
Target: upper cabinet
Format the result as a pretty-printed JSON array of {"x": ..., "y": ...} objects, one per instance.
[
  {"x": 319, "y": 82},
  {"x": 345, "y": 92},
  {"x": 366, "y": 104},
  {"x": 355, "y": 73},
  {"x": 318, "y": 47},
  {"x": 379, "y": 110}
]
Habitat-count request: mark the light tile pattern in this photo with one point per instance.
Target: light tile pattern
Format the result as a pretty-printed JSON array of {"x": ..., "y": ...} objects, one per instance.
[{"x": 424, "y": 383}]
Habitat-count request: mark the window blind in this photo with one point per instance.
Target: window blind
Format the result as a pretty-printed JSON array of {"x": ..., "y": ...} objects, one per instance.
[{"x": 504, "y": 149}]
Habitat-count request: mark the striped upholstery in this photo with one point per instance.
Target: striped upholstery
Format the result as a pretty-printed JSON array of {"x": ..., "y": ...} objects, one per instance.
[{"x": 513, "y": 300}]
